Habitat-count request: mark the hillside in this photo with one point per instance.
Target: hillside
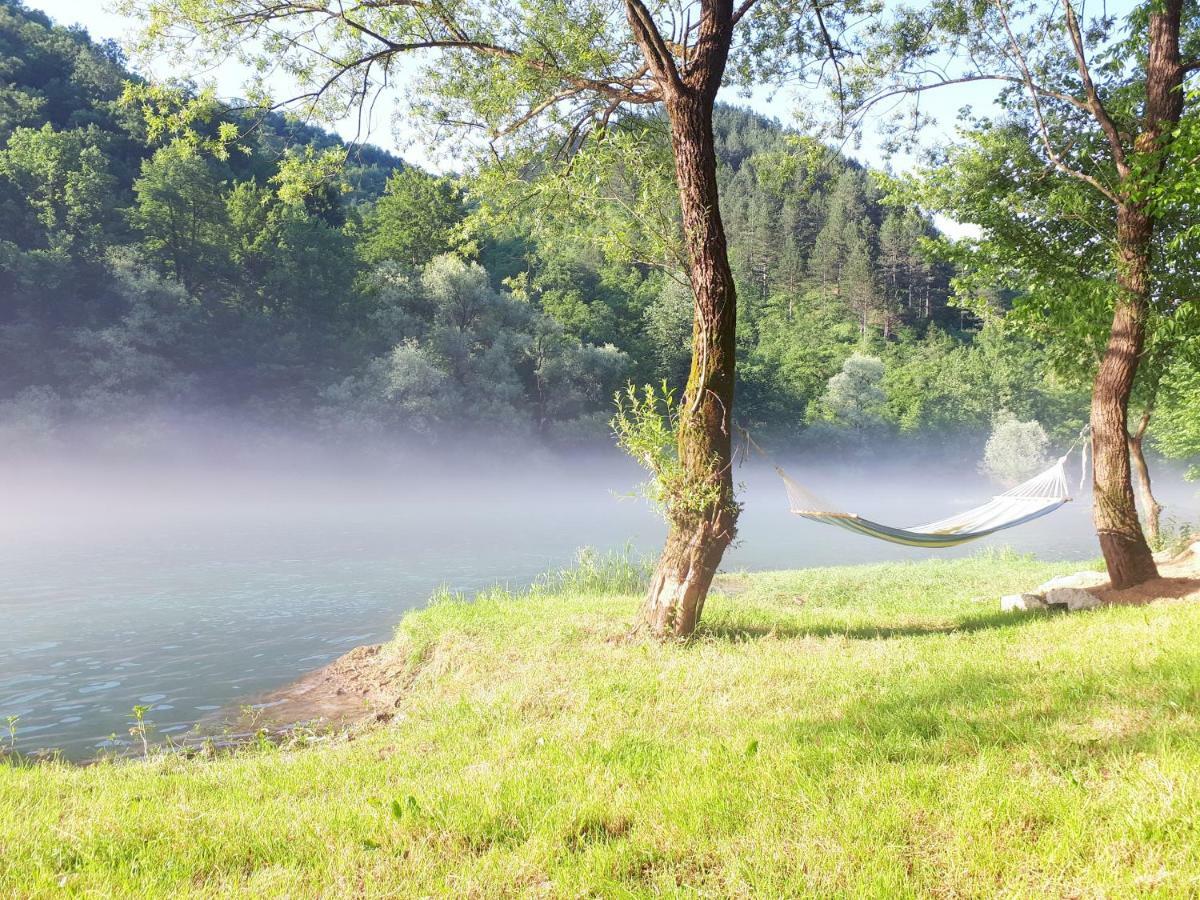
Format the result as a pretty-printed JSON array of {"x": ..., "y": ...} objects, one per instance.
[{"x": 150, "y": 280}]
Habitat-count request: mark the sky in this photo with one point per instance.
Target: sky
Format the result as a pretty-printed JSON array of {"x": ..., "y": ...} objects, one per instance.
[{"x": 388, "y": 132}]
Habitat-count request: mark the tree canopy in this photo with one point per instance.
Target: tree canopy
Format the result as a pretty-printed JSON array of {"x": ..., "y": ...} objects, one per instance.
[{"x": 310, "y": 305}]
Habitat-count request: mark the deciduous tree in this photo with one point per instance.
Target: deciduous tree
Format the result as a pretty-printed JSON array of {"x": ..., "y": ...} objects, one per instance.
[
  {"x": 1066, "y": 185},
  {"x": 498, "y": 71}
]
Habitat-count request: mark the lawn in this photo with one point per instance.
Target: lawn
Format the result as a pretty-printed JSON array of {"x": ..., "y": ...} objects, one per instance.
[{"x": 867, "y": 731}]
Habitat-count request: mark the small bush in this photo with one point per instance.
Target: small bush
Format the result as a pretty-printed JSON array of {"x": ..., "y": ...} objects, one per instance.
[
  {"x": 646, "y": 426},
  {"x": 1176, "y": 536},
  {"x": 594, "y": 574}
]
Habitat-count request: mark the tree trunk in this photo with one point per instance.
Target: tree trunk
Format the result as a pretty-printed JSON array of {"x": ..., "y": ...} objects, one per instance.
[
  {"x": 1126, "y": 552},
  {"x": 1114, "y": 511},
  {"x": 697, "y": 537},
  {"x": 1151, "y": 508}
]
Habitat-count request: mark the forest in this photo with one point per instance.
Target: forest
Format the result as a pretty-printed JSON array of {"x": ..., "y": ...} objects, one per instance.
[{"x": 286, "y": 278}]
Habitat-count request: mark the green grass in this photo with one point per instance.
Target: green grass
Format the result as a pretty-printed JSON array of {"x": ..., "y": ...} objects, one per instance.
[{"x": 867, "y": 731}]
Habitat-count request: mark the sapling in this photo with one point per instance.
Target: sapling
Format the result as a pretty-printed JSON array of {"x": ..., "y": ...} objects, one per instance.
[{"x": 140, "y": 729}]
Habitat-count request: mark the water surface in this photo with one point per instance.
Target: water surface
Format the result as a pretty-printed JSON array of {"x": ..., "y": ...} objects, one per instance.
[{"x": 185, "y": 592}]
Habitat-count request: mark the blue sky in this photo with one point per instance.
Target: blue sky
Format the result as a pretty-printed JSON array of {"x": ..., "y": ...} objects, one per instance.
[{"x": 102, "y": 23}]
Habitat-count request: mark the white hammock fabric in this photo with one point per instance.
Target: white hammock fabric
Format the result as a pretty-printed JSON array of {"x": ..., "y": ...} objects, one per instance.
[{"x": 1039, "y": 496}]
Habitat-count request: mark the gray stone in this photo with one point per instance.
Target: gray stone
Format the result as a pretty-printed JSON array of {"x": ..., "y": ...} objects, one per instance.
[
  {"x": 1072, "y": 598},
  {"x": 1078, "y": 580},
  {"x": 1021, "y": 603}
]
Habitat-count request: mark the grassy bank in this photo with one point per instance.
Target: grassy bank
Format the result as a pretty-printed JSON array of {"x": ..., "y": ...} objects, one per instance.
[{"x": 872, "y": 730}]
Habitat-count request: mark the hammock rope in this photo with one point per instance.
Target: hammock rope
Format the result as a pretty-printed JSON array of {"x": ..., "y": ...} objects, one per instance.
[{"x": 1039, "y": 496}]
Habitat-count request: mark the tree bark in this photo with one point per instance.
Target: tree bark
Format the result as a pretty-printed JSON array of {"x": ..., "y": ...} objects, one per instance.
[
  {"x": 698, "y": 538},
  {"x": 698, "y": 535},
  {"x": 1126, "y": 553},
  {"x": 1151, "y": 508},
  {"x": 1114, "y": 510}
]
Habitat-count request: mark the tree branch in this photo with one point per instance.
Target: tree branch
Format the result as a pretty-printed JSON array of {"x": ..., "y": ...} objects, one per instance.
[
  {"x": 627, "y": 90},
  {"x": 1044, "y": 130},
  {"x": 1099, "y": 113},
  {"x": 707, "y": 66},
  {"x": 658, "y": 55},
  {"x": 746, "y": 6},
  {"x": 832, "y": 48},
  {"x": 537, "y": 109},
  {"x": 968, "y": 79}
]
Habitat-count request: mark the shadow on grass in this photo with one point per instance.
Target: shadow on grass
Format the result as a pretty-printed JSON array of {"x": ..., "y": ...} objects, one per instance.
[
  {"x": 736, "y": 632},
  {"x": 1073, "y": 716}
]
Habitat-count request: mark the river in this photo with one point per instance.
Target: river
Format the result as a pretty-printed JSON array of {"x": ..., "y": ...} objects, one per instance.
[{"x": 187, "y": 590}]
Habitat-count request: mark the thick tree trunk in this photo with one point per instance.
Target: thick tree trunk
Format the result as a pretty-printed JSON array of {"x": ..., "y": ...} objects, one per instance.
[
  {"x": 1126, "y": 552},
  {"x": 698, "y": 537},
  {"x": 1151, "y": 508},
  {"x": 1114, "y": 511}
]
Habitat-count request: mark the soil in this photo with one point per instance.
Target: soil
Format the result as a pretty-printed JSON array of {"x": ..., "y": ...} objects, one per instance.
[
  {"x": 1179, "y": 579},
  {"x": 364, "y": 685}
]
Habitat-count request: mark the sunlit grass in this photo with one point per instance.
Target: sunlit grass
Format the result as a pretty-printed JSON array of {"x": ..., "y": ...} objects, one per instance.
[{"x": 875, "y": 730}]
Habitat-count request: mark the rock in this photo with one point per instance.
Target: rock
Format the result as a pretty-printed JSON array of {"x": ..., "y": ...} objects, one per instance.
[
  {"x": 1078, "y": 580},
  {"x": 1021, "y": 603},
  {"x": 1072, "y": 598}
]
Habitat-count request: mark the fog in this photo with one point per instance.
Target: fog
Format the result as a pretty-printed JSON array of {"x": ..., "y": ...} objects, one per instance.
[{"x": 193, "y": 575}]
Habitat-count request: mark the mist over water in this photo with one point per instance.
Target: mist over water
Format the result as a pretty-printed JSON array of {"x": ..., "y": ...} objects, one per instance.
[{"x": 188, "y": 581}]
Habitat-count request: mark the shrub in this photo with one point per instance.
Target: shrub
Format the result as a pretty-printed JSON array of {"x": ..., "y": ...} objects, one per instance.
[{"x": 1015, "y": 450}]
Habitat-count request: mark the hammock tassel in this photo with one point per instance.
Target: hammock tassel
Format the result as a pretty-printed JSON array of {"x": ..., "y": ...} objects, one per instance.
[{"x": 1083, "y": 462}]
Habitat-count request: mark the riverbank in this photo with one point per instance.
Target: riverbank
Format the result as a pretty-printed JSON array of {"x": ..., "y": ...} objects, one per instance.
[
  {"x": 368, "y": 684},
  {"x": 876, "y": 729}
]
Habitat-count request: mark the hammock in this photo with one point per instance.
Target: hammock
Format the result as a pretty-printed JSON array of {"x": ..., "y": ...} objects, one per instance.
[{"x": 1032, "y": 499}]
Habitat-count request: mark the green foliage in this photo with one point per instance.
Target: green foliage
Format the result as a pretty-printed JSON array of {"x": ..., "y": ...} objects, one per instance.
[
  {"x": 668, "y": 324},
  {"x": 462, "y": 354},
  {"x": 1172, "y": 198},
  {"x": 854, "y": 399},
  {"x": 646, "y": 428},
  {"x": 141, "y": 728},
  {"x": 312, "y": 179},
  {"x": 1046, "y": 180},
  {"x": 1015, "y": 450},
  {"x": 1176, "y": 428},
  {"x": 940, "y": 384},
  {"x": 306, "y": 281},
  {"x": 55, "y": 75},
  {"x": 63, "y": 181},
  {"x": 417, "y": 218},
  {"x": 174, "y": 114},
  {"x": 1038, "y": 242},
  {"x": 181, "y": 214},
  {"x": 617, "y": 195}
]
